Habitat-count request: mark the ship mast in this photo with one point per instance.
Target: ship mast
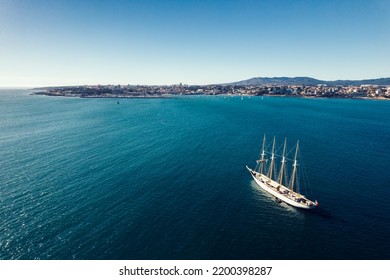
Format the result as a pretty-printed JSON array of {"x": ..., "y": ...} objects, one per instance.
[
  {"x": 283, "y": 163},
  {"x": 294, "y": 167},
  {"x": 262, "y": 156},
  {"x": 272, "y": 160}
]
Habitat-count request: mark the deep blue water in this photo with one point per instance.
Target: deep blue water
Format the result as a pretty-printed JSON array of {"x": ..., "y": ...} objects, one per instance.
[{"x": 166, "y": 178}]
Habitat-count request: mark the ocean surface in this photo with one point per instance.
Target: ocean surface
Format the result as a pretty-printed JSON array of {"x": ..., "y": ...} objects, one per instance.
[{"x": 166, "y": 178}]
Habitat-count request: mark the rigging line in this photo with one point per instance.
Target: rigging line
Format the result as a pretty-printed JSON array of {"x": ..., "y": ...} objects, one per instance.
[
  {"x": 285, "y": 176},
  {"x": 304, "y": 182},
  {"x": 257, "y": 166},
  {"x": 268, "y": 147},
  {"x": 298, "y": 183},
  {"x": 305, "y": 178},
  {"x": 292, "y": 150},
  {"x": 279, "y": 149}
]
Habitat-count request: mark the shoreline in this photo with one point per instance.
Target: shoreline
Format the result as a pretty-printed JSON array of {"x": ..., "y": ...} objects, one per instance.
[
  {"x": 170, "y": 91},
  {"x": 168, "y": 96}
]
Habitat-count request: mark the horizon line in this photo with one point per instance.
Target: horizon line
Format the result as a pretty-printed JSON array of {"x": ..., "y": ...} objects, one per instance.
[{"x": 172, "y": 84}]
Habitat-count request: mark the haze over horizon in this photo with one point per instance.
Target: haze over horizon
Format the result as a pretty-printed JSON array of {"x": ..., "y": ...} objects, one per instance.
[{"x": 45, "y": 43}]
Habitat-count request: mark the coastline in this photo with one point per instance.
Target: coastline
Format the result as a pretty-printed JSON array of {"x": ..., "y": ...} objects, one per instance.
[
  {"x": 143, "y": 91},
  {"x": 380, "y": 98}
]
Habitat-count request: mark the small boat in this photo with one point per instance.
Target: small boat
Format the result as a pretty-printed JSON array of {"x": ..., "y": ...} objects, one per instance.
[{"x": 281, "y": 188}]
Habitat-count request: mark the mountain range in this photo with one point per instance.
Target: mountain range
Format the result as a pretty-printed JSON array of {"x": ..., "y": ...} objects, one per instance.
[{"x": 308, "y": 81}]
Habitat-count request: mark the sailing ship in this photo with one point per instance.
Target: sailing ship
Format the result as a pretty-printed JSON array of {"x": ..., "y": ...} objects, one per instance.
[{"x": 281, "y": 188}]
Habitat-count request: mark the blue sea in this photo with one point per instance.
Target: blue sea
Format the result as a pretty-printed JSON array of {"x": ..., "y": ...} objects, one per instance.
[{"x": 166, "y": 178}]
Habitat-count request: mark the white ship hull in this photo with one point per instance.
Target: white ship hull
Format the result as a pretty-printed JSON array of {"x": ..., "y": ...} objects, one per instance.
[{"x": 281, "y": 192}]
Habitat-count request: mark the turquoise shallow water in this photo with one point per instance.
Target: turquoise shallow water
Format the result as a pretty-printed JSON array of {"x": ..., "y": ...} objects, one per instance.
[{"x": 166, "y": 178}]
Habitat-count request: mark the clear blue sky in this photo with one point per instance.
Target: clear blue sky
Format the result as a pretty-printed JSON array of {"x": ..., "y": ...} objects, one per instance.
[{"x": 194, "y": 42}]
